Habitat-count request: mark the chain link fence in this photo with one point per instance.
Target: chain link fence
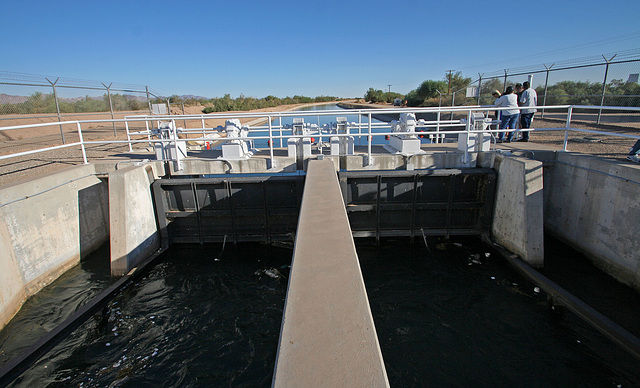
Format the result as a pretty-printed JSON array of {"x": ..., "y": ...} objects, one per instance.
[
  {"x": 606, "y": 80},
  {"x": 29, "y": 99}
]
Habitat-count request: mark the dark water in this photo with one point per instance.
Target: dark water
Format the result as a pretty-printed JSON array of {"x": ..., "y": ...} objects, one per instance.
[
  {"x": 461, "y": 318},
  {"x": 192, "y": 321},
  {"x": 448, "y": 317}
]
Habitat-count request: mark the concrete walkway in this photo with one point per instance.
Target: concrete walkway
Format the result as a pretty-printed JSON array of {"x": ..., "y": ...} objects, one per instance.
[{"x": 328, "y": 337}]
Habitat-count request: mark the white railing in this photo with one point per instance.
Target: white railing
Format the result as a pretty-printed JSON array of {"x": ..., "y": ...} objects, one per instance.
[{"x": 265, "y": 128}]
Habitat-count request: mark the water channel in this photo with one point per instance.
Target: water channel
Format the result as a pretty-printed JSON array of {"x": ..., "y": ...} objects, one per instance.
[
  {"x": 454, "y": 315},
  {"x": 359, "y": 138},
  {"x": 451, "y": 315}
]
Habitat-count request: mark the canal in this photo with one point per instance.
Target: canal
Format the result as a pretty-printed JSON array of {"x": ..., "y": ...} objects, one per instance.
[{"x": 452, "y": 314}]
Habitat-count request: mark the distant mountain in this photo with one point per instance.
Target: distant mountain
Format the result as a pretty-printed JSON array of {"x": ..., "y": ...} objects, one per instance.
[
  {"x": 9, "y": 99},
  {"x": 191, "y": 96}
]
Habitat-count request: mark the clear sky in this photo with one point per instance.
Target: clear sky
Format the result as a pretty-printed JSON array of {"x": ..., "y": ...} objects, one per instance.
[{"x": 311, "y": 48}]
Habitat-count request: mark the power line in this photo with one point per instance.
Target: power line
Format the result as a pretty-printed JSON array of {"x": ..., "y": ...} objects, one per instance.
[{"x": 614, "y": 39}]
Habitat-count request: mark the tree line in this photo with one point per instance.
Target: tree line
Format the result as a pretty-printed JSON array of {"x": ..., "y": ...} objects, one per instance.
[
  {"x": 46, "y": 103},
  {"x": 242, "y": 103},
  {"x": 430, "y": 92}
]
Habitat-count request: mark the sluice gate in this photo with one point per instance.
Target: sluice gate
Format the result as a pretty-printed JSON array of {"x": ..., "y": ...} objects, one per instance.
[{"x": 379, "y": 204}]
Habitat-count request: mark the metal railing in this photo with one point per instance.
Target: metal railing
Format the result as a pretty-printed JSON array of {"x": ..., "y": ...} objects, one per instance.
[{"x": 266, "y": 127}]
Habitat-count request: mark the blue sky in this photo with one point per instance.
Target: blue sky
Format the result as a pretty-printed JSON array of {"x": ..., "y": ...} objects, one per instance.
[{"x": 311, "y": 48}]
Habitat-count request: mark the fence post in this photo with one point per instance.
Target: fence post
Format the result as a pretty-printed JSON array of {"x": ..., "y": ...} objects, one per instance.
[
  {"x": 604, "y": 84},
  {"x": 504, "y": 87},
  {"x": 479, "y": 87},
  {"x": 149, "y": 103},
  {"x": 453, "y": 103},
  {"x": 55, "y": 97},
  {"x": 546, "y": 84},
  {"x": 184, "y": 120},
  {"x": 110, "y": 106}
]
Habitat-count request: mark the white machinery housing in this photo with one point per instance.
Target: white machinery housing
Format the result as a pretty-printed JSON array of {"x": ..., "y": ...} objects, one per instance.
[
  {"x": 341, "y": 145},
  {"x": 170, "y": 148},
  {"x": 299, "y": 145},
  {"x": 404, "y": 142},
  {"x": 235, "y": 148}
]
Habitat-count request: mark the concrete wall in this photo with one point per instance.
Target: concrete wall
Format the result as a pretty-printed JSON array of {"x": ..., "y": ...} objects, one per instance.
[
  {"x": 46, "y": 226},
  {"x": 594, "y": 205},
  {"x": 132, "y": 218},
  {"x": 518, "y": 210}
]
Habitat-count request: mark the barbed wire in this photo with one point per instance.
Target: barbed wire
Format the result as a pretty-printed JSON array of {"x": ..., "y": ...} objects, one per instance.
[
  {"x": 614, "y": 57},
  {"x": 26, "y": 79}
]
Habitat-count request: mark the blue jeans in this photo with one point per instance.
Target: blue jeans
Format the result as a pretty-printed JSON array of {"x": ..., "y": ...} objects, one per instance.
[
  {"x": 525, "y": 122},
  {"x": 508, "y": 121}
]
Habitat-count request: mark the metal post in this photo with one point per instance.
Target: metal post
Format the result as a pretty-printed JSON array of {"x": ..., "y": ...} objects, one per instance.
[
  {"x": 359, "y": 129},
  {"x": 111, "y": 107},
  {"x": 280, "y": 129},
  {"x": 369, "y": 138},
  {"x": 604, "y": 84},
  {"x": 184, "y": 120},
  {"x": 84, "y": 151},
  {"x": 175, "y": 142},
  {"x": 271, "y": 142},
  {"x": 479, "y": 87},
  {"x": 126, "y": 126},
  {"x": 148, "y": 100},
  {"x": 149, "y": 103},
  {"x": 55, "y": 97},
  {"x": 467, "y": 128},
  {"x": 546, "y": 84},
  {"x": 504, "y": 87},
  {"x": 438, "y": 128},
  {"x": 453, "y": 103},
  {"x": 567, "y": 126}
]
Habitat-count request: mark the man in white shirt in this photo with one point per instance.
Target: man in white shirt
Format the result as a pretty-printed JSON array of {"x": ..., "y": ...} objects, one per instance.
[{"x": 529, "y": 98}]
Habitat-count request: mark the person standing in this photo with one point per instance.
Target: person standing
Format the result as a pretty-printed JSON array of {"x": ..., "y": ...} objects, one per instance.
[
  {"x": 529, "y": 98},
  {"x": 509, "y": 116}
]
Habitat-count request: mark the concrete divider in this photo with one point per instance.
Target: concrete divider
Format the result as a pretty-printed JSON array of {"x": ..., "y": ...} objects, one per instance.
[
  {"x": 134, "y": 232},
  {"x": 594, "y": 205},
  {"x": 46, "y": 226},
  {"x": 518, "y": 211},
  {"x": 328, "y": 337}
]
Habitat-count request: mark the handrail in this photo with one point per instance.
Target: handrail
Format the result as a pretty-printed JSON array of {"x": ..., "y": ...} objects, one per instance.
[{"x": 274, "y": 131}]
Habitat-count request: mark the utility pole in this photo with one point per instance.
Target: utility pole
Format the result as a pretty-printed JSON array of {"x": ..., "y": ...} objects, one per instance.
[
  {"x": 389, "y": 93},
  {"x": 449, "y": 77}
]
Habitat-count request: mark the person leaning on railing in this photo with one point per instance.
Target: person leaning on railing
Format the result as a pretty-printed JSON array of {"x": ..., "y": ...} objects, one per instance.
[{"x": 509, "y": 116}]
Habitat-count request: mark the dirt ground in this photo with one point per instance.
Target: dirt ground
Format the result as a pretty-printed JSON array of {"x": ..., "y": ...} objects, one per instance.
[{"x": 27, "y": 166}]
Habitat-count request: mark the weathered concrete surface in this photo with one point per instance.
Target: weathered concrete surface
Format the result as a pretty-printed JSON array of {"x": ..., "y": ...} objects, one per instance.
[
  {"x": 435, "y": 157},
  {"x": 134, "y": 233},
  {"x": 328, "y": 337},
  {"x": 46, "y": 226},
  {"x": 518, "y": 211},
  {"x": 594, "y": 205}
]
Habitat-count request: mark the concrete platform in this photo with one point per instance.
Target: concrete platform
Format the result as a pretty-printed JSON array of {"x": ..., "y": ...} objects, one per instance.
[{"x": 328, "y": 337}]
